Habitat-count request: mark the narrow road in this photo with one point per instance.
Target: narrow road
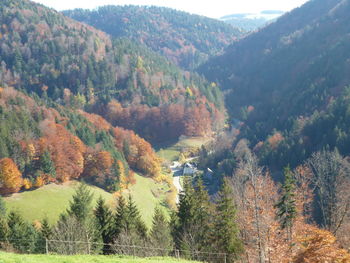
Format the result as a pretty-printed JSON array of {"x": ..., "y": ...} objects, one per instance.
[{"x": 176, "y": 170}]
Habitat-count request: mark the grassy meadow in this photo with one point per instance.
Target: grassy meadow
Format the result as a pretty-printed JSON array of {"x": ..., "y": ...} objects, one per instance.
[
  {"x": 51, "y": 200},
  {"x": 172, "y": 152}
]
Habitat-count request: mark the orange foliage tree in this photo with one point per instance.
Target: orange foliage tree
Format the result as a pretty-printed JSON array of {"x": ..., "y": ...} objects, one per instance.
[
  {"x": 168, "y": 121},
  {"x": 319, "y": 246},
  {"x": 67, "y": 151},
  {"x": 97, "y": 166},
  {"x": 137, "y": 151},
  {"x": 10, "y": 177}
]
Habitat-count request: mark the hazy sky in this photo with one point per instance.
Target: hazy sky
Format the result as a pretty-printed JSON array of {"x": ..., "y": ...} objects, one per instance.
[{"x": 213, "y": 8}]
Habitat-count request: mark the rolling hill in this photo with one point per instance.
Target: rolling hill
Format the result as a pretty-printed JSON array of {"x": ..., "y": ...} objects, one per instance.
[{"x": 186, "y": 39}]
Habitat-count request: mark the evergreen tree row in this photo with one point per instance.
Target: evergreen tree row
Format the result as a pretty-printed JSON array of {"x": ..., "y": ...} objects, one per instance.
[{"x": 198, "y": 227}]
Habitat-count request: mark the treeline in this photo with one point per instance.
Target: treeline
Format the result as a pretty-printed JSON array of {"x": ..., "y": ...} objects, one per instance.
[
  {"x": 186, "y": 39},
  {"x": 75, "y": 65},
  {"x": 40, "y": 145}
]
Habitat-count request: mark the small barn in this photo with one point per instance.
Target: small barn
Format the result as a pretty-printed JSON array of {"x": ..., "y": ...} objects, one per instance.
[{"x": 189, "y": 169}]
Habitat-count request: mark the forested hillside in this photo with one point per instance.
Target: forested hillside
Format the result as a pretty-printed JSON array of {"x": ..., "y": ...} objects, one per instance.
[
  {"x": 288, "y": 83},
  {"x": 186, "y": 39},
  {"x": 78, "y": 66},
  {"x": 41, "y": 145}
]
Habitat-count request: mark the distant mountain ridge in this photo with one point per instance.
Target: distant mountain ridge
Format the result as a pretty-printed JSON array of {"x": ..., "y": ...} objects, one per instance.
[
  {"x": 186, "y": 39},
  {"x": 252, "y": 21}
]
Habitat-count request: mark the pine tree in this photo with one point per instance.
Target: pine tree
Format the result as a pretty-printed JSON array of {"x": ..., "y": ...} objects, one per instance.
[
  {"x": 80, "y": 206},
  {"x": 135, "y": 224},
  {"x": 103, "y": 219},
  {"x": 121, "y": 217},
  {"x": 226, "y": 233},
  {"x": 2, "y": 207},
  {"x": 21, "y": 235},
  {"x": 286, "y": 207},
  {"x": 192, "y": 222},
  {"x": 46, "y": 164},
  {"x": 46, "y": 230},
  {"x": 4, "y": 231},
  {"x": 160, "y": 235},
  {"x": 43, "y": 234}
]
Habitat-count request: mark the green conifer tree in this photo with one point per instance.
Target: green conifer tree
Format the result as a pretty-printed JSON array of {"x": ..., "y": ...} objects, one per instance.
[
  {"x": 46, "y": 164},
  {"x": 21, "y": 235},
  {"x": 192, "y": 222},
  {"x": 121, "y": 217},
  {"x": 226, "y": 233},
  {"x": 80, "y": 206},
  {"x": 2, "y": 207},
  {"x": 135, "y": 224},
  {"x": 46, "y": 230},
  {"x": 103, "y": 219},
  {"x": 286, "y": 206},
  {"x": 160, "y": 235}
]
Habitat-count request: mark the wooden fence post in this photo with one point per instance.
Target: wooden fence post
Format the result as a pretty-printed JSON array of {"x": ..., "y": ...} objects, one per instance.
[{"x": 46, "y": 246}]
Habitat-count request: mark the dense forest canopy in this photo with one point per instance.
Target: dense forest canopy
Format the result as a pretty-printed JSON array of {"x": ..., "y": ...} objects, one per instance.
[
  {"x": 76, "y": 65},
  {"x": 186, "y": 39},
  {"x": 281, "y": 78}
]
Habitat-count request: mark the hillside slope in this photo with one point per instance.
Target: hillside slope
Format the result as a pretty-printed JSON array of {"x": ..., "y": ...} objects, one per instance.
[
  {"x": 78, "y": 66},
  {"x": 186, "y": 39},
  {"x": 282, "y": 78}
]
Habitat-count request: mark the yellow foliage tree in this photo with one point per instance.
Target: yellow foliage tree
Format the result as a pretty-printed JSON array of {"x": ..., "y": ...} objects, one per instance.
[
  {"x": 122, "y": 176},
  {"x": 39, "y": 182},
  {"x": 27, "y": 184},
  {"x": 10, "y": 177}
]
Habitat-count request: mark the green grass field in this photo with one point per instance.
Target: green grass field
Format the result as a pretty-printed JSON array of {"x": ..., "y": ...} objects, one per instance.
[
  {"x": 51, "y": 200},
  {"x": 48, "y": 201},
  {"x": 171, "y": 152},
  {"x": 16, "y": 258},
  {"x": 147, "y": 195}
]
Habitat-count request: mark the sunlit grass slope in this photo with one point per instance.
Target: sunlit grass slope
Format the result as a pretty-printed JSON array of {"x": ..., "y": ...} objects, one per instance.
[
  {"x": 172, "y": 152},
  {"x": 51, "y": 200},
  {"x": 16, "y": 258}
]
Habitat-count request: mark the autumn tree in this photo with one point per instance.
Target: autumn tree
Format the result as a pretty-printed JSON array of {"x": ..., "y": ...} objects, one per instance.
[
  {"x": 255, "y": 195},
  {"x": 319, "y": 246},
  {"x": 10, "y": 177},
  {"x": 331, "y": 177}
]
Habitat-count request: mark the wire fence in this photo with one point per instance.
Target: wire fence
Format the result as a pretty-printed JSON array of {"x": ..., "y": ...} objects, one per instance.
[{"x": 64, "y": 247}]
